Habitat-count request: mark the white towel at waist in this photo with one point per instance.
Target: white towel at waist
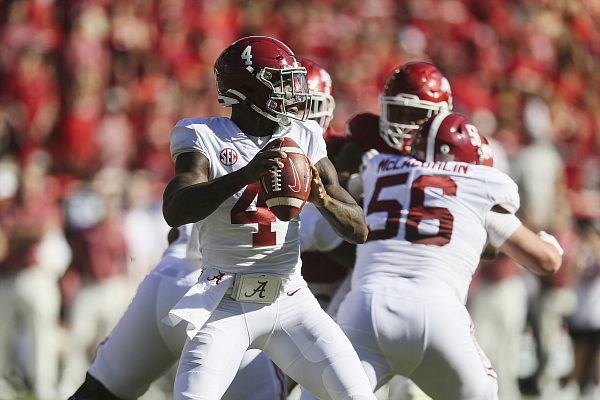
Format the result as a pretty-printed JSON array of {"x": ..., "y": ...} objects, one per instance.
[{"x": 200, "y": 301}]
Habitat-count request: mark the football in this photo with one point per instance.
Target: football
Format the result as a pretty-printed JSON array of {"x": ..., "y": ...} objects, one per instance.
[{"x": 286, "y": 193}]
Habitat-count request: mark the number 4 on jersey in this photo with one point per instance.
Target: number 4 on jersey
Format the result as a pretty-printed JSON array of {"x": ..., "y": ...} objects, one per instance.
[{"x": 262, "y": 216}]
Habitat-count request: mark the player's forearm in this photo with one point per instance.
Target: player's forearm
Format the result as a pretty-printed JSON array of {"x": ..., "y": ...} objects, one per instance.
[
  {"x": 185, "y": 202},
  {"x": 532, "y": 253},
  {"x": 335, "y": 204},
  {"x": 346, "y": 219}
]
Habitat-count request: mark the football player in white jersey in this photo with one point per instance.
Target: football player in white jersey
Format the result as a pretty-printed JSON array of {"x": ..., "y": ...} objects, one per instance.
[
  {"x": 249, "y": 254},
  {"x": 429, "y": 217},
  {"x": 140, "y": 349}
]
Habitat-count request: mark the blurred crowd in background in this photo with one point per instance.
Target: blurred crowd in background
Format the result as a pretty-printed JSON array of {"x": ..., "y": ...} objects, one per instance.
[{"x": 90, "y": 89}]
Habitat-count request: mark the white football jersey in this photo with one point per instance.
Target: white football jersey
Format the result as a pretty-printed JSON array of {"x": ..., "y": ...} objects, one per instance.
[
  {"x": 428, "y": 219},
  {"x": 242, "y": 232}
]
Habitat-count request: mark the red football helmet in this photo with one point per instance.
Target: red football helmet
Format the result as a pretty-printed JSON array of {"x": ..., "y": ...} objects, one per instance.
[
  {"x": 448, "y": 137},
  {"x": 412, "y": 93},
  {"x": 321, "y": 89},
  {"x": 263, "y": 74}
]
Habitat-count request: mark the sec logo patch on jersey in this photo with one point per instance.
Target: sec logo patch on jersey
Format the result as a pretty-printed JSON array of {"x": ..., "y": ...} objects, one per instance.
[
  {"x": 228, "y": 157},
  {"x": 286, "y": 193}
]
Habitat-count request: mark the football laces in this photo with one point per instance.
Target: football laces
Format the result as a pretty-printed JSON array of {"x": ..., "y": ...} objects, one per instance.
[{"x": 276, "y": 180}]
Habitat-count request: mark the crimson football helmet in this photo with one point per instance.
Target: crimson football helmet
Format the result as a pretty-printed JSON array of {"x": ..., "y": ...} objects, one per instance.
[
  {"x": 448, "y": 137},
  {"x": 321, "y": 89},
  {"x": 263, "y": 74},
  {"x": 412, "y": 93}
]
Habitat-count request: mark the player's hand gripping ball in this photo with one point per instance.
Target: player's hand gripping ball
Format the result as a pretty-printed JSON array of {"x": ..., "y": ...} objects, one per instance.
[{"x": 287, "y": 191}]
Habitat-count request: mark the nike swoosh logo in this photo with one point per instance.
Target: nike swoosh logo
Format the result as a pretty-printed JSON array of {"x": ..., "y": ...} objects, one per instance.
[
  {"x": 296, "y": 187},
  {"x": 294, "y": 292}
]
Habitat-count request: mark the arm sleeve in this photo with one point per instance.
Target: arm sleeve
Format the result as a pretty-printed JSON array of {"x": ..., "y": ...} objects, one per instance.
[
  {"x": 184, "y": 139},
  {"x": 504, "y": 192},
  {"x": 500, "y": 226}
]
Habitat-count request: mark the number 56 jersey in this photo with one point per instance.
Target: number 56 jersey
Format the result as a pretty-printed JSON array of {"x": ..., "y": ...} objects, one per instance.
[{"x": 428, "y": 219}]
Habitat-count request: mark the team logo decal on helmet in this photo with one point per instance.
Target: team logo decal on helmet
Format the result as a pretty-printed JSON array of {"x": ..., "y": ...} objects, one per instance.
[
  {"x": 450, "y": 137},
  {"x": 263, "y": 74}
]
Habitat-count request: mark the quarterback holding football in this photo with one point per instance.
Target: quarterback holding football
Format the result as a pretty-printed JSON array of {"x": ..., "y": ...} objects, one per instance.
[{"x": 251, "y": 293}]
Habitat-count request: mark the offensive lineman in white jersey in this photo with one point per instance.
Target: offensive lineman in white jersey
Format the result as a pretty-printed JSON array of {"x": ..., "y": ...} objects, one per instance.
[
  {"x": 140, "y": 349},
  {"x": 218, "y": 163},
  {"x": 428, "y": 219}
]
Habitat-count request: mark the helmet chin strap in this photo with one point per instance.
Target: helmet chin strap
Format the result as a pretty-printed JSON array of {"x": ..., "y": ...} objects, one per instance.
[
  {"x": 282, "y": 121},
  {"x": 249, "y": 103},
  {"x": 254, "y": 107}
]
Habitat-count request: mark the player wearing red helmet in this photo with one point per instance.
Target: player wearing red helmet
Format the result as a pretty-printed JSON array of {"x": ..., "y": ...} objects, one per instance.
[
  {"x": 263, "y": 74},
  {"x": 429, "y": 218},
  {"x": 251, "y": 293},
  {"x": 412, "y": 94},
  {"x": 448, "y": 137}
]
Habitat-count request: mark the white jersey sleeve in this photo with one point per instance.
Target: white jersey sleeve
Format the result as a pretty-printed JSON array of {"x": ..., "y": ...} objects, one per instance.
[
  {"x": 184, "y": 137},
  {"x": 500, "y": 226},
  {"x": 503, "y": 191}
]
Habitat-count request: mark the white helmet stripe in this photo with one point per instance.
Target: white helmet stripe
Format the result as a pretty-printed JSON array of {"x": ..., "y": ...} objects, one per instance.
[{"x": 432, "y": 134}]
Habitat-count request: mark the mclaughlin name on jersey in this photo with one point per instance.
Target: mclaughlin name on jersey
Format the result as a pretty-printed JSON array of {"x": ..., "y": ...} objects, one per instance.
[{"x": 401, "y": 163}]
